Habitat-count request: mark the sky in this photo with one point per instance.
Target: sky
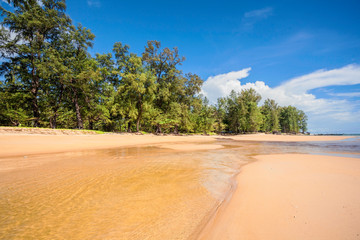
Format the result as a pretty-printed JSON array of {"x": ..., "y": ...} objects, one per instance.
[{"x": 300, "y": 53}]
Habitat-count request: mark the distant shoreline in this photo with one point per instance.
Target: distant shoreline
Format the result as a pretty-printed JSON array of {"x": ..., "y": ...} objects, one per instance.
[
  {"x": 337, "y": 134},
  {"x": 50, "y": 131}
]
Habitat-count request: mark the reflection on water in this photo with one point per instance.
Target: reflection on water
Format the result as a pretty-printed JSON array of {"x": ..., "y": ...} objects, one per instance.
[{"x": 128, "y": 193}]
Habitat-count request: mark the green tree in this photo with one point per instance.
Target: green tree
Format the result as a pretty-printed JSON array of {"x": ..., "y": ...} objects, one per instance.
[
  {"x": 35, "y": 26},
  {"x": 253, "y": 117},
  {"x": 270, "y": 112},
  {"x": 205, "y": 118},
  {"x": 170, "y": 83},
  {"x": 302, "y": 118},
  {"x": 292, "y": 120},
  {"x": 55, "y": 72},
  {"x": 13, "y": 104},
  {"x": 109, "y": 79},
  {"x": 84, "y": 72},
  {"x": 137, "y": 89},
  {"x": 235, "y": 112},
  {"x": 219, "y": 114}
]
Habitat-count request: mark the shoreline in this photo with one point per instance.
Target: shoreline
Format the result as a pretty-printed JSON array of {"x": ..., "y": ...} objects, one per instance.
[{"x": 39, "y": 142}]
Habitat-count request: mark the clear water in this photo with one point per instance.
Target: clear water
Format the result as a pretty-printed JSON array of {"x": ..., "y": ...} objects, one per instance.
[
  {"x": 344, "y": 148},
  {"x": 128, "y": 193}
]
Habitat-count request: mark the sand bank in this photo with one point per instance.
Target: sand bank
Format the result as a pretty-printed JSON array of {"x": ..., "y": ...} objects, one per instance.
[{"x": 292, "y": 196}]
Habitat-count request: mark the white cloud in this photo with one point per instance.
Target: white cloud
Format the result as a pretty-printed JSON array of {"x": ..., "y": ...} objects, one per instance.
[
  {"x": 321, "y": 111},
  {"x": 259, "y": 13},
  {"x": 348, "y": 75},
  {"x": 349, "y": 94},
  {"x": 93, "y": 3},
  {"x": 250, "y": 18},
  {"x": 221, "y": 85}
]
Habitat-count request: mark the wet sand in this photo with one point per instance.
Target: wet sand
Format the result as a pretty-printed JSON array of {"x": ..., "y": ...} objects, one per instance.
[
  {"x": 292, "y": 196},
  {"x": 174, "y": 187}
]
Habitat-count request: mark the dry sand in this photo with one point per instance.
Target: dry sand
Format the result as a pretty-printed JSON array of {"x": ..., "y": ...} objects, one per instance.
[{"x": 292, "y": 196}]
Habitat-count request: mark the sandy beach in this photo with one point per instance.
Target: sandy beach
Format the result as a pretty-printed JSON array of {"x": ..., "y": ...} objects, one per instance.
[
  {"x": 277, "y": 196},
  {"x": 292, "y": 196}
]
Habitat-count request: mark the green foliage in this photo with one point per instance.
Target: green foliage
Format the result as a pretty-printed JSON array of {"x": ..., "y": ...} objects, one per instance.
[
  {"x": 242, "y": 114},
  {"x": 292, "y": 120},
  {"x": 35, "y": 27},
  {"x": 270, "y": 112},
  {"x": 205, "y": 120},
  {"x": 49, "y": 79},
  {"x": 136, "y": 90}
]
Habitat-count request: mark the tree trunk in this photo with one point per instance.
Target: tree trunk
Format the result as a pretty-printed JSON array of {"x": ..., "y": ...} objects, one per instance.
[
  {"x": 138, "y": 124},
  {"x": 34, "y": 92},
  {"x": 158, "y": 129},
  {"x": 36, "y": 113},
  {"x": 35, "y": 106},
  {"x": 77, "y": 111},
  {"x": 53, "y": 121},
  {"x": 176, "y": 129},
  {"x": 139, "y": 115}
]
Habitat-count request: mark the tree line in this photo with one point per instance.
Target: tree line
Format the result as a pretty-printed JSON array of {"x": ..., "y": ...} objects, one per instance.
[{"x": 49, "y": 79}]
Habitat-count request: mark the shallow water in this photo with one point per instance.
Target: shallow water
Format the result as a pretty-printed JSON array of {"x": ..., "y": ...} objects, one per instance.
[
  {"x": 344, "y": 148},
  {"x": 127, "y": 193}
]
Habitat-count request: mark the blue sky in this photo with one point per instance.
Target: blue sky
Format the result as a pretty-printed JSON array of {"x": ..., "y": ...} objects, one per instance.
[{"x": 303, "y": 53}]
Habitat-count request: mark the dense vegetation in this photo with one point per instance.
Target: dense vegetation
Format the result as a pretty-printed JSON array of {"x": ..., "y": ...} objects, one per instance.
[{"x": 49, "y": 79}]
